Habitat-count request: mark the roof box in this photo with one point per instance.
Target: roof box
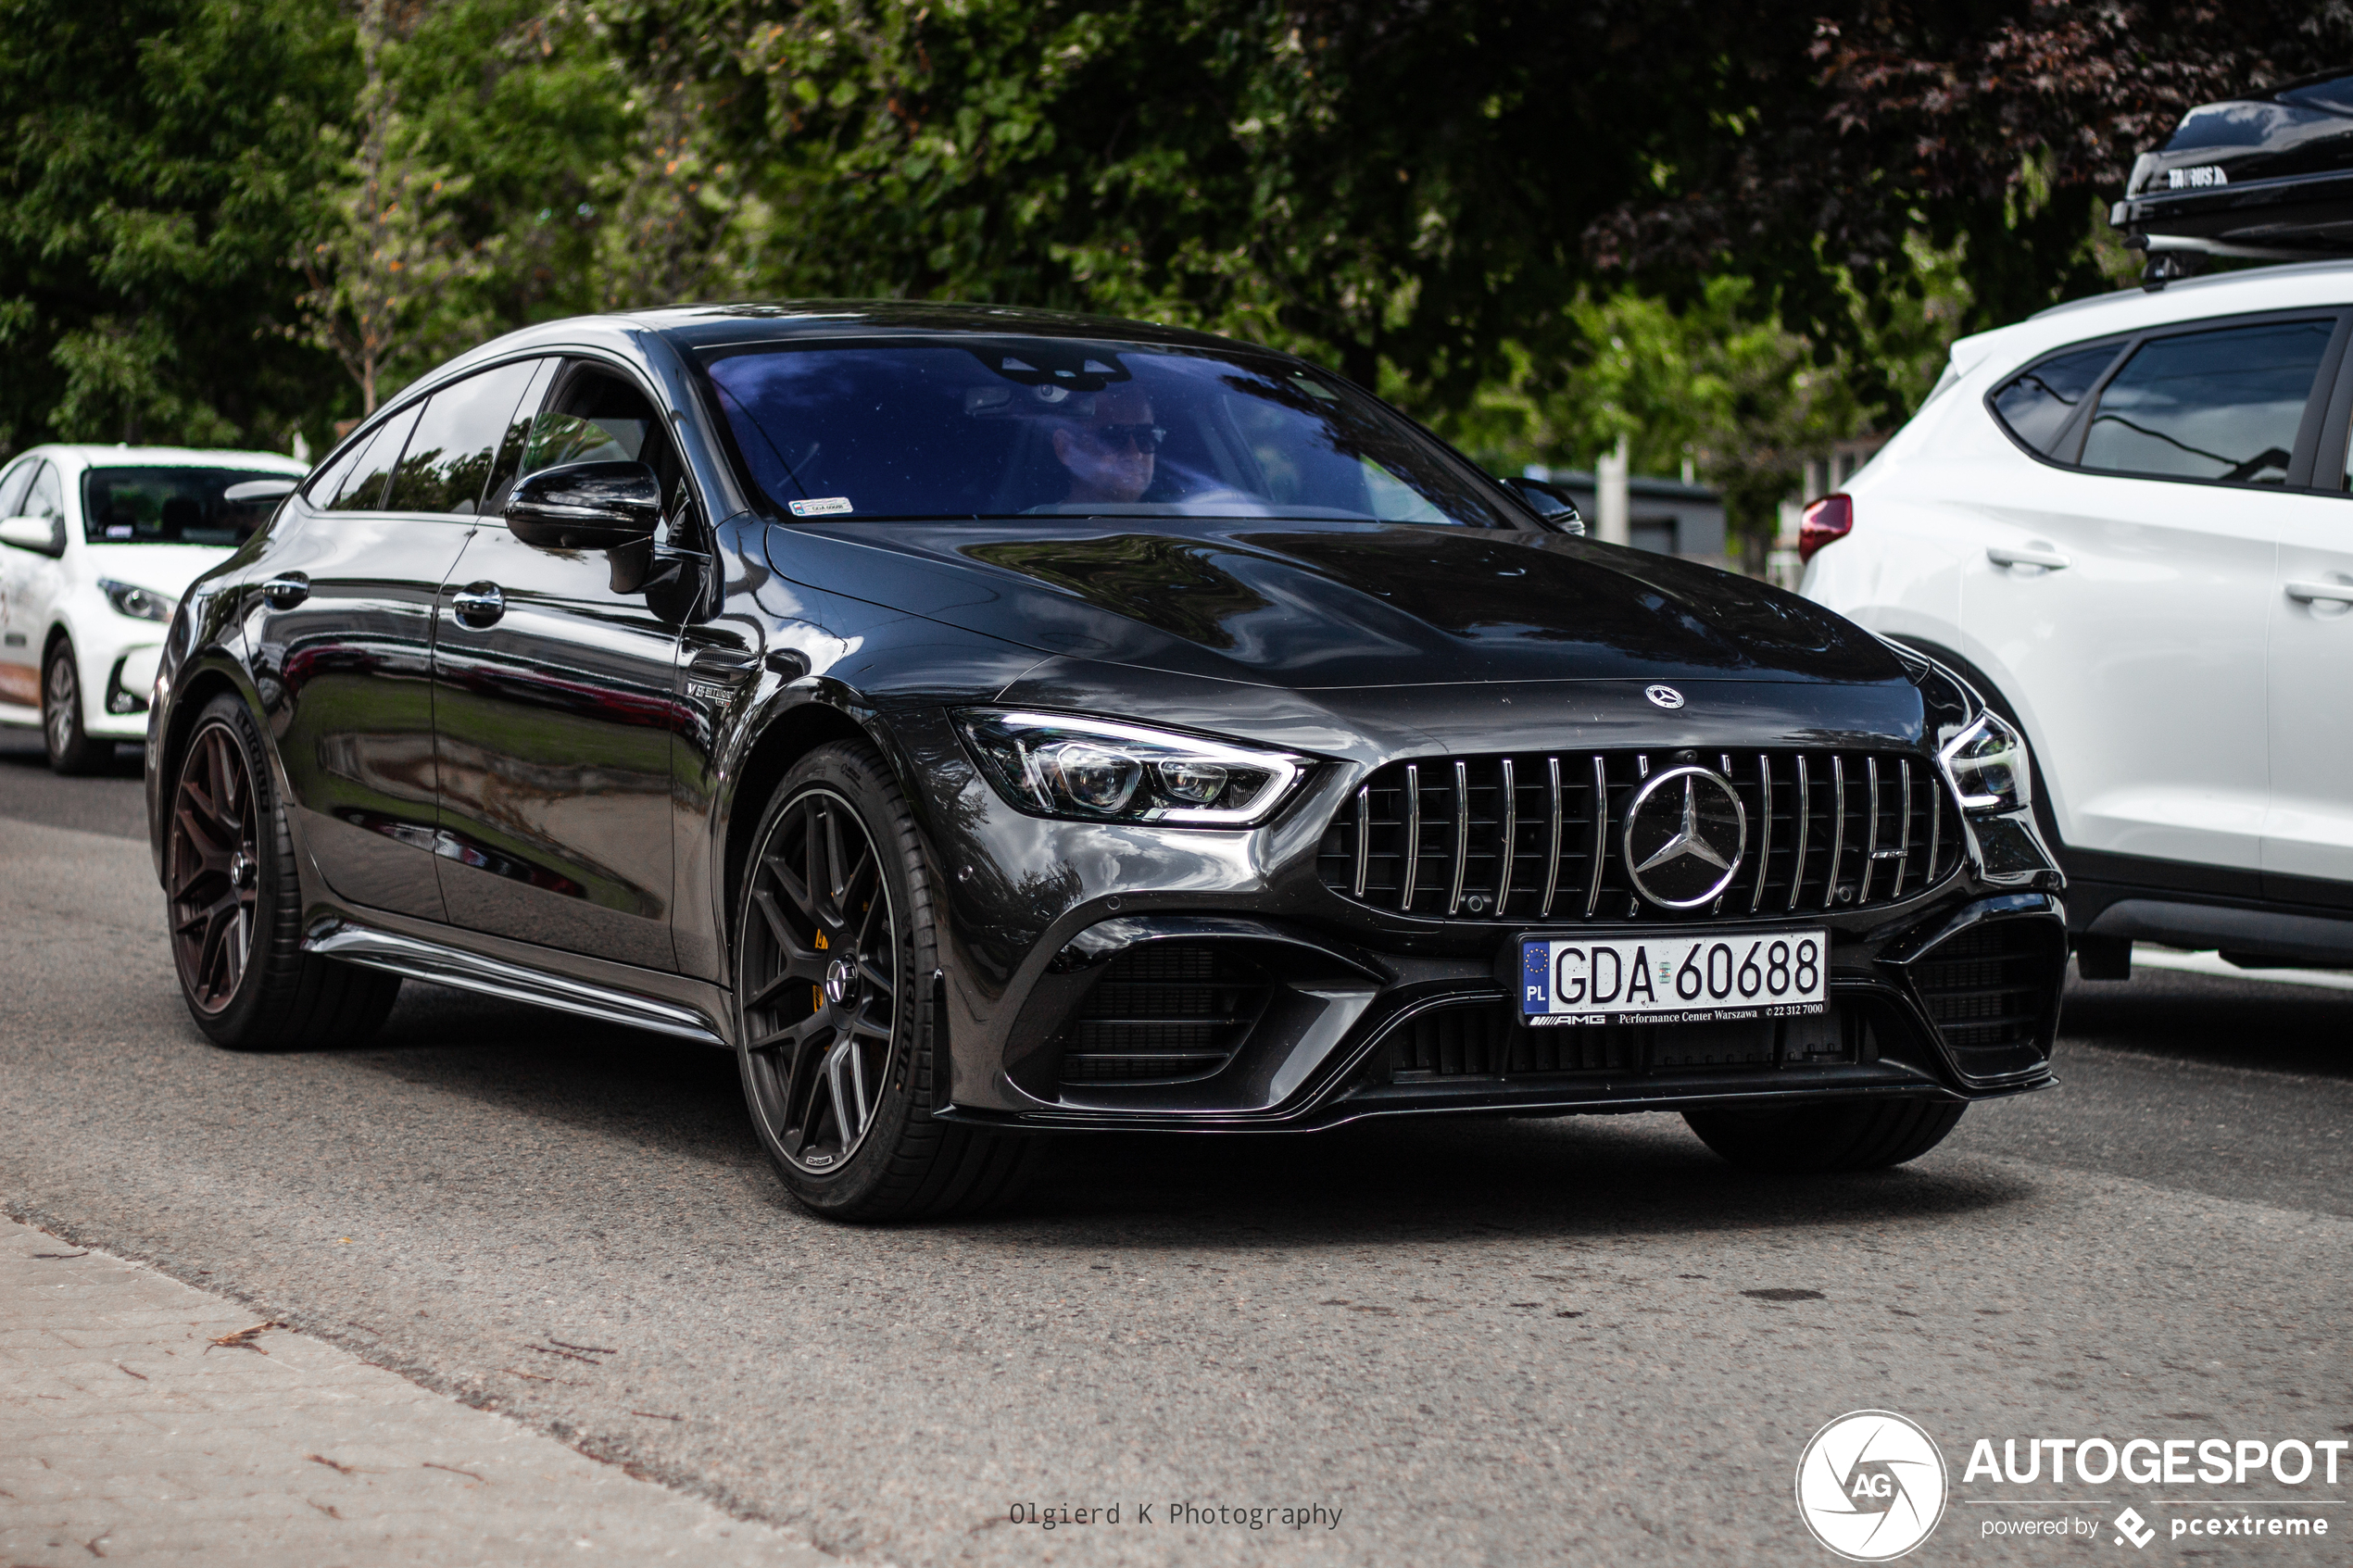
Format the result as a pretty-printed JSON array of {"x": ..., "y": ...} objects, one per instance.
[{"x": 2268, "y": 177}]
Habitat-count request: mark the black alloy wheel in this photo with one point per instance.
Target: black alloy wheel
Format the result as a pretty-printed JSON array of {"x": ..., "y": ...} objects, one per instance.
[
  {"x": 72, "y": 749},
  {"x": 213, "y": 870},
  {"x": 834, "y": 958},
  {"x": 821, "y": 1024},
  {"x": 235, "y": 903}
]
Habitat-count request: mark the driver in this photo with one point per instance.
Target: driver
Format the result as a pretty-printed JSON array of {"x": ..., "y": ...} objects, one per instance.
[{"x": 1109, "y": 453}]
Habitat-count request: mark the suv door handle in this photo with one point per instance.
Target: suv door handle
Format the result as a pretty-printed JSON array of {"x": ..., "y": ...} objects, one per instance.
[
  {"x": 287, "y": 591},
  {"x": 2030, "y": 555},
  {"x": 2326, "y": 593},
  {"x": 479, "y": 604}
]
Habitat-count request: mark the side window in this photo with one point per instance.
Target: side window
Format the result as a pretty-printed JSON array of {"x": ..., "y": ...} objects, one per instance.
[
  {"x": 596, "y": 418},
  {"x": 14, "y": 483},
  {"x": 362, "y": 487},
  {"x": 508, "y": 466},
  {"x": 2221, "y": 405},
  {"x": 2037, "y": 403},
  {"x": 447, "y": 464},
  {"x": 46, "y": 499}
]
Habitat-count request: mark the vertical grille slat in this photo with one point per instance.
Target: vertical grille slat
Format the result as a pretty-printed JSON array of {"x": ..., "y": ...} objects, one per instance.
[{"x": 1416, "y": 837}]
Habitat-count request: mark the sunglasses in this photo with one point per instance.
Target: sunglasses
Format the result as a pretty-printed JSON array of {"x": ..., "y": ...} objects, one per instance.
[{"x": 1144, "y": 438}]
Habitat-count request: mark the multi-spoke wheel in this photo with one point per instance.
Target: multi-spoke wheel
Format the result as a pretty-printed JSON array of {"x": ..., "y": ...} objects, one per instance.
[
  {"x": 213, "y": 870},
  {"x": 235, "y": 903},
  {"x": 834, "y": 947},
  {"x": 823, "y": 954},
  {"x": 72, "y": 749}
]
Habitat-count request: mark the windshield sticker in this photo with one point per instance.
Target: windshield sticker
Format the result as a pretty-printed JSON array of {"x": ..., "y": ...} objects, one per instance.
[{"x": 829, "y": 506}]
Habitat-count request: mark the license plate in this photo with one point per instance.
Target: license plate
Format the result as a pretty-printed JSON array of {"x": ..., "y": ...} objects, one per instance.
[{"x": 1705, "y": 977}]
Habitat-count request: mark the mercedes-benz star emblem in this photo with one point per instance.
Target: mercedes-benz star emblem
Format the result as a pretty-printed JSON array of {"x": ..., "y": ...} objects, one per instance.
[
  {"x": 840, "y": 978},
  {"x": 1665, "y": 696},
  {"x": 1686, "y": 833}
]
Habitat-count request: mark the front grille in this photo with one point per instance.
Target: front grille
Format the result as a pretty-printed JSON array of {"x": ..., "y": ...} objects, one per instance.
[
  {"x": 1483, "y": 1039},
  {"x": 1539, "y": 836},
  {"x": 1164, "y": 1012},
  {"x": 1988, "y": 987}
]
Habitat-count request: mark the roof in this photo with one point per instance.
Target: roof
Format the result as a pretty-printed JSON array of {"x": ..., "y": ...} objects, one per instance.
[
  {"x": 703, "y": 325},
  {"x": 119, "y": 456}
]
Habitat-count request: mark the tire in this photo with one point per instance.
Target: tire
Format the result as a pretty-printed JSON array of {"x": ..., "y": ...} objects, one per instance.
[
  {"x": 1821, "y": 1138},
  {"x": 72, "y": 749},
  {"x": 834, "y": 1025},
  {"x": 235, "y": 905}
]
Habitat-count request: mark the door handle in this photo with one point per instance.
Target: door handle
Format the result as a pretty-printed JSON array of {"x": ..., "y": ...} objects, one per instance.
[
  {"x": 2028, "y": 554},
  {"x": 479, "y": 604},
  {"x": 286, "y": 591},
  {"x": 2320, "y": 592}
]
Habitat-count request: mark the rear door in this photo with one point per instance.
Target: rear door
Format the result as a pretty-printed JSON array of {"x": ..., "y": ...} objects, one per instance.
[
  {"x": 340, "y": 640},
  {"x": 2307, "y": 834},
  {"x": 554, "y": 700},
  {"x": 34, "y": 578},
  {"x": 15, "y": 691},
  {"x": 2126, "y": 589}
]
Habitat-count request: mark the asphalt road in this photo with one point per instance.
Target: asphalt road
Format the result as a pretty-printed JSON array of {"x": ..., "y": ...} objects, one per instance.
[{"x": 1493, "y": 1342}]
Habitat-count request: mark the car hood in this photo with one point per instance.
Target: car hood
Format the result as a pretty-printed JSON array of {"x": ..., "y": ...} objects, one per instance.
[
  {"x": 1317, "y": 606},
  {"x": 160, "y": 568}
]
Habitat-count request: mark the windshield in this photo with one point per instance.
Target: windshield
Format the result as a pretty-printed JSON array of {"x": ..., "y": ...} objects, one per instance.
[
  {"x": 156, "y": 506},
  {"x": 1053, "y": 427}
]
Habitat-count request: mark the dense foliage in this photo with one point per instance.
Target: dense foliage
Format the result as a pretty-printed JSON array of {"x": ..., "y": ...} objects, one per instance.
[{"x": 1729, "y": 232}]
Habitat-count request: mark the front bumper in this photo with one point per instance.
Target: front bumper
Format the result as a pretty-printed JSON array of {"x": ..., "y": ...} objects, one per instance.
[{"x": 1333, "y": 1012}]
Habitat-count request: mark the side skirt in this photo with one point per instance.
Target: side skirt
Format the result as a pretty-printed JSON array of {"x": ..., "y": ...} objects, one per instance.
[{"x": 419, "y": 958}]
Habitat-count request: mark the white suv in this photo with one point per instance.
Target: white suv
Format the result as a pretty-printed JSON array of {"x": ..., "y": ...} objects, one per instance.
[
  {"x": 96, "y": 546},
  {"x": 2127, "y": 520}
]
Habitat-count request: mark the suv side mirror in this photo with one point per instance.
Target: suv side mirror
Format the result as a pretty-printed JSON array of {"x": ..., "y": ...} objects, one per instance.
[
  {"x": 39, "y": 534},
  {"x": 605, "y": 505},
  {"x": 1550, "y": 503}
]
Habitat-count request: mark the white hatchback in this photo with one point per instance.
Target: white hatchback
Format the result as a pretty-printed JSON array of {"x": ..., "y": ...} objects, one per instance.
[
  {"x": 96, "y": 546},
  {"x": 2128, "y": 521}
]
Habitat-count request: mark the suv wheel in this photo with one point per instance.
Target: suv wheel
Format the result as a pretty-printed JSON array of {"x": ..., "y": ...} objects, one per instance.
[
  {"x": 835, "y": 950},
  {"x": 1811, "y": 1139},
  {"x": 72, "y": 749},
  {"x": 236, "y": 905}
]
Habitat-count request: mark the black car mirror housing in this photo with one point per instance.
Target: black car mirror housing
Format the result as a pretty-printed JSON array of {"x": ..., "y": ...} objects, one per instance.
[
  {"x": 1549, "y": 502},
  {"x": 603, "y": 506}
]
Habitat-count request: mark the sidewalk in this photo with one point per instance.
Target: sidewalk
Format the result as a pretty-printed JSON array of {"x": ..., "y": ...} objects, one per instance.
[{"x": 137, "y": 1425}]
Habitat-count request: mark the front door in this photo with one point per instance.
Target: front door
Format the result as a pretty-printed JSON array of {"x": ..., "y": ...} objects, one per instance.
[
  {"x": 554, "y": 700},
  {"x": 2308, "y": 835}
]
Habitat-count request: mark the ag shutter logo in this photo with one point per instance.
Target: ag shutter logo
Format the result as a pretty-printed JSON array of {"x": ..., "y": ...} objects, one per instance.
[{"x": 1871, "y": 1485}]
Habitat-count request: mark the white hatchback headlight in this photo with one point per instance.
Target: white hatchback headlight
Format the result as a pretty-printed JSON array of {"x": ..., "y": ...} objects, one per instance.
[
  {"x": 1987, "y": 767},
  {"x": 1095, "y": 770},
  {"x": 140, "y": 604}
]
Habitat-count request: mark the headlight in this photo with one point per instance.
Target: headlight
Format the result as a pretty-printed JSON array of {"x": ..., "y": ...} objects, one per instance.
[
  {"x": 1054, "y": 765},
  {"x": 140, "y": 604},
  {"x": 1986, "y": 765}
]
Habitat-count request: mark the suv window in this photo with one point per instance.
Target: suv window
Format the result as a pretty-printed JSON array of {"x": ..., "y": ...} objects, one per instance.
[
  {"x": 449, "y": 455},
  {"x": 2221, "y": 405},
  {"x": 2037, "y": 403}
]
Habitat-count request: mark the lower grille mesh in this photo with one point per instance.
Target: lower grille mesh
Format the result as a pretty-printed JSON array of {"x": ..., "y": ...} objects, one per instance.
[
  {"x": 1164, "y": 1012},
  {"x": 1988, "y": 987},
  {"x": 1484, "y": 1041}
]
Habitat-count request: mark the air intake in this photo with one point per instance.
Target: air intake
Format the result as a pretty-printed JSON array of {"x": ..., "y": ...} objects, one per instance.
[
  {"x": 1164, "y": 1013},
  {"x": 1988, "y": 988}
]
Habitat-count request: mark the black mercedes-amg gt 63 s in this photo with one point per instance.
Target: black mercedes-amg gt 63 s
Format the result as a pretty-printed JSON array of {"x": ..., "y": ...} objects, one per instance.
[{"x": 988, "y": 722}]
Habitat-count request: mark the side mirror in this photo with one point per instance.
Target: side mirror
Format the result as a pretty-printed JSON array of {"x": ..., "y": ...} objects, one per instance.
[
  {"x": 256, "y": 491},
  {"x": 38, "y": 533},
  {"x": 604, "y": 505},
  {"x": 1550, "y": 503}
]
